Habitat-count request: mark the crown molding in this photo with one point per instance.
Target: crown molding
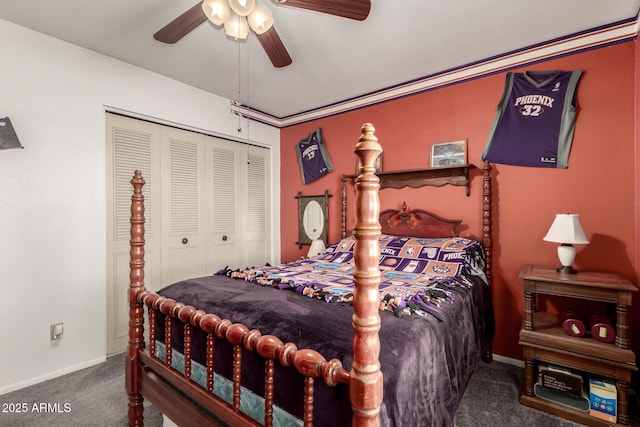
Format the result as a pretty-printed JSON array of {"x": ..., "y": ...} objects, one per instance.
[{"x": 591, "y": 39}]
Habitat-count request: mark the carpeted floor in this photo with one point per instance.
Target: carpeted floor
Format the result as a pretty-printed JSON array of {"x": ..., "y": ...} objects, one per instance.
[
  {"x": 96, "y": 397},
  {"x": 491, "y": 399}
]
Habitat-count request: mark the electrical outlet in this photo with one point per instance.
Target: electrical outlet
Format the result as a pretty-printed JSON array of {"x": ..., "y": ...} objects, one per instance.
[{"x": 57, "y": 330}]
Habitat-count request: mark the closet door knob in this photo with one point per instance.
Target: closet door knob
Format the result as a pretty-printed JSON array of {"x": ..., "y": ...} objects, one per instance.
[
  {"x": 185, "y": 240},
  {"x": 224, "y": 238}
]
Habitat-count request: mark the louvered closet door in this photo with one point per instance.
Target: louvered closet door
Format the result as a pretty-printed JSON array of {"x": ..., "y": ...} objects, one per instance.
[
  {"x": 238, "y": 204},
  {"x": 130, "y": 145},
  {"x": 183, "y": 248},
  {"x": 258, "y": 219},
  {"x": 207, "y": 206},
  {"x": 223, "y": 203}
]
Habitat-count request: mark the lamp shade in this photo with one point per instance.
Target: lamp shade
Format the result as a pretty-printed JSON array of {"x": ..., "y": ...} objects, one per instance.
[
  {"x": 316, "y": 248},
  {"x": 217, "y": 11},
  {"x": 566, "y": 228}
]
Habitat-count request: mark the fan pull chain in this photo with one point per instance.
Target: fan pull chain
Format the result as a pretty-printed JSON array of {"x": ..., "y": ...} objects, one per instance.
[
  {"x": 239, "y": 92},
  {"x": 248, "y": 86}
]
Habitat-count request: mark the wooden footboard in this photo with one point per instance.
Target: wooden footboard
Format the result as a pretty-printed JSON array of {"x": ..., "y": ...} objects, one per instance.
[
  {"x": 309, "y": 363},
  {"x": 186, "y": 402}
]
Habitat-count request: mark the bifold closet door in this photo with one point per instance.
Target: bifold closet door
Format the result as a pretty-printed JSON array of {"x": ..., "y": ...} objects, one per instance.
[
  {"x": 257, "y": 231},
  {"x": 130, "y": 145},
  {"x": 238, "y": 204},
  {"x": 207, "y": 204},
  {"x": 183, "y": 207}
]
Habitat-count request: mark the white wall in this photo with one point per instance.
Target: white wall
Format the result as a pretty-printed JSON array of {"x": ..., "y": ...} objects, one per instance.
[{"x": 52, "y": 193}]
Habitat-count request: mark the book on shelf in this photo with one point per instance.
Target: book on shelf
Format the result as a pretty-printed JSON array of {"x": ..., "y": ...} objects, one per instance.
[
  {"x": 561, "y": 385},
  {"x": 559, "y": 378}
]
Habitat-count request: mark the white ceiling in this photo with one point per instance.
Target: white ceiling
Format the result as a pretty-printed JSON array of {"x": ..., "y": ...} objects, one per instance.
[{"x": 333, "y": 58}]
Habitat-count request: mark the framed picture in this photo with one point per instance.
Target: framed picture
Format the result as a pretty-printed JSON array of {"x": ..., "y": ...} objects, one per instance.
[
  {"x": 377, "y": 164},
  {"x": 449, "y": 154}
]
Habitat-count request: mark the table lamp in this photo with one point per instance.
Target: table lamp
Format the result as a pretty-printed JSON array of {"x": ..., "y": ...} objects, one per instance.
[
  {"x": 316, "y": 248},
  {"x": 567, "y": 231}
]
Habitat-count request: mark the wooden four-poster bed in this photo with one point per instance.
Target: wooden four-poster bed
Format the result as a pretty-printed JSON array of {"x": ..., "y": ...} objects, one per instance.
[{"x": 224, "y": 351}]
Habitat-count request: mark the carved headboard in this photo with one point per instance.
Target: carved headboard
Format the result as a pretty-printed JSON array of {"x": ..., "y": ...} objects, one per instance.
[{"x": 416, "y": 223}]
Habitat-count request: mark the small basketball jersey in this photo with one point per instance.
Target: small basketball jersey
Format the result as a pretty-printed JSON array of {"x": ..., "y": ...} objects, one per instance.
[
  {"x": 313, "y": 157},
  {"x": 535, "y": 120}
]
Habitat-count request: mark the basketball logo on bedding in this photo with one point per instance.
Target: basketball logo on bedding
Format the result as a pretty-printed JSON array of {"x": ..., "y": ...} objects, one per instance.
[
  {"x": 410, "y": 251},
  {"x": 442, "y": 269},
  {"x": 431, "y": 252},
  {"x": 411, "y": 267}
]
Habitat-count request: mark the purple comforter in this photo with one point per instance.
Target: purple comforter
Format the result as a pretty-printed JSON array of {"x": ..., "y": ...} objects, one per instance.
[{"x": 426, "y": 363}]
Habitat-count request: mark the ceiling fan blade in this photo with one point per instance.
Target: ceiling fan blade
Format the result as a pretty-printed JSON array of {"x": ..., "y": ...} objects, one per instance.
[
  {"x": 273, "y": 46},
  {"x": 352, "y": 9},
  {"x": 182, "y": 25}
]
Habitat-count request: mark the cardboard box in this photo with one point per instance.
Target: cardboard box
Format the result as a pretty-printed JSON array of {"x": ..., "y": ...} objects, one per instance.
[{"x": 603, "y": 397}]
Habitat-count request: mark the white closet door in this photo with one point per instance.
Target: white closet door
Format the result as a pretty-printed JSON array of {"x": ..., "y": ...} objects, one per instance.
[
  {"x": 224, "y": 201},
  {"x": 207, "y": 206},
  {"x": 238, "y": 205},
  {"x": 258, "y": 208},
  {"x": 131, "y": 145},
  {"x": 183, "y": 248}
]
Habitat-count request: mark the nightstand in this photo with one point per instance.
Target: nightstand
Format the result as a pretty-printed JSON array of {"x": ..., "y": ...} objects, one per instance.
[{"x": 543, "y": 339}]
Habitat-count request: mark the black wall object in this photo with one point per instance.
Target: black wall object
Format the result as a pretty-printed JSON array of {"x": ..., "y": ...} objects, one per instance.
[{"x": 8, "y": 137}]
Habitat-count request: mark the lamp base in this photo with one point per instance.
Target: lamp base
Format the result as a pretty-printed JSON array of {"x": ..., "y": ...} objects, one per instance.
[{"x": 566, "y": 269}]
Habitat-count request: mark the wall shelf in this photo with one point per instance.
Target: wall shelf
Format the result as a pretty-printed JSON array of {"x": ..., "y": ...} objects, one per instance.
[{"x": 415, "y": 178}]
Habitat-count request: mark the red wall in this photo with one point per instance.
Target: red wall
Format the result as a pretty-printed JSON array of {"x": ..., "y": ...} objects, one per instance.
[{"x": 599, "y": 183}]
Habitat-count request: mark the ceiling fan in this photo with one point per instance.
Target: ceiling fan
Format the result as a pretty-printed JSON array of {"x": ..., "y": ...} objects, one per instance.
[{"x": 217, "y": 11}]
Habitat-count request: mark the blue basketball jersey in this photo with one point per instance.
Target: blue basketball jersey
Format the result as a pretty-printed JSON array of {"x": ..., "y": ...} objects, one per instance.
[
  {"x": 535, "y": 120},
  {"x": 313, "y": 157}
]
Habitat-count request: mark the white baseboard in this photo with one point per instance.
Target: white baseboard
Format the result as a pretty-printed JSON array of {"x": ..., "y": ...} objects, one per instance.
[
  {"x": 51, "y": 375},
  {"x": 508, "y": 360}
]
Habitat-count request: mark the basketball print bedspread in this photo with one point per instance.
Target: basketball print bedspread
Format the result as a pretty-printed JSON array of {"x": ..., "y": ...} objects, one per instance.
[{"x": 417, "y": 274}]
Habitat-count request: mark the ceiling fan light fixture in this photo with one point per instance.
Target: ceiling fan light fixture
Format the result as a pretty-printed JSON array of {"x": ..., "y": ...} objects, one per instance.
[
  {"x": 217, "y": 11},
  {"x": 242, "y": 7},
  {"x": 236, "y": 27},
  {"x": 261, "y": 19}
]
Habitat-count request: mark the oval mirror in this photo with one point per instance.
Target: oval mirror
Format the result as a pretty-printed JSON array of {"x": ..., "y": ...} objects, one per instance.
[{"x": 313, "y": 220}]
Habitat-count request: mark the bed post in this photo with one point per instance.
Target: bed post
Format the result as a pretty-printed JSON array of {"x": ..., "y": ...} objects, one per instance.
[
  {"x": 365, "y": 387},
  {"x": 487, "y": 227},
  {"x": 343, "y": 212},
  {"x": 136, "y": 309},
  {"x": 487, "y": 240}
]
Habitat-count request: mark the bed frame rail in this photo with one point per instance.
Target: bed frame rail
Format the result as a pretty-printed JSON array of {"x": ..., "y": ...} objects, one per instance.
[{"x": 309, "y": 363}]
